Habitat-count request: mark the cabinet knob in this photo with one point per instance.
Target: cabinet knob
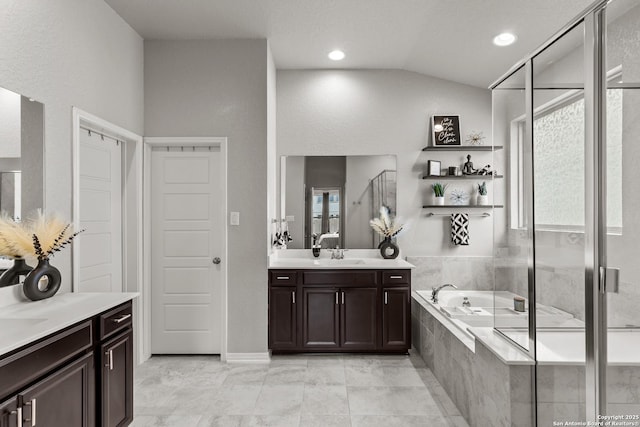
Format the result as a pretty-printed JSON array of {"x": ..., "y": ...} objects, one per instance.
[{"x": 217, "y": 260}]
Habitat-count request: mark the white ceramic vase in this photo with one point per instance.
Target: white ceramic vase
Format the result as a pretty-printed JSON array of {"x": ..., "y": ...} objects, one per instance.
[
  {"x": 438, "y": 201},
  {"x": 482, "y": 200}
]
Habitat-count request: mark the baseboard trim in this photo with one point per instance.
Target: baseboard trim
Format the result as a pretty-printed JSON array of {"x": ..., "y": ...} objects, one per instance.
[{"x": 248, "y": 358}]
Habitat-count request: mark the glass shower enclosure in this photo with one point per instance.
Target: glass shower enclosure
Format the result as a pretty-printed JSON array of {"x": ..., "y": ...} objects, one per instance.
[{"x": 569, "y": 241}]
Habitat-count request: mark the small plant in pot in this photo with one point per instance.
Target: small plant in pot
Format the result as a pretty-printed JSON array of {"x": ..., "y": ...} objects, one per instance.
[
  {"x": 438, "y": 193},
  {"x": 482, "y": 198}
]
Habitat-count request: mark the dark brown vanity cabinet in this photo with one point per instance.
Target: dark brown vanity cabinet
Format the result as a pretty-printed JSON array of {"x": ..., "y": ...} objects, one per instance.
[
  {"x": 57, "y": 381},
  {"x": 283, "y": 317},
  {"x": 116, "y": 381},
  {"x": 339, "y": 311}
]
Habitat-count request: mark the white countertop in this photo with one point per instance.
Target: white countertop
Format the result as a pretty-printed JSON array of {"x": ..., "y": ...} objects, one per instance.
[
  {"x": 354, "y": 259},
  {"x": 25, "y": 322}
]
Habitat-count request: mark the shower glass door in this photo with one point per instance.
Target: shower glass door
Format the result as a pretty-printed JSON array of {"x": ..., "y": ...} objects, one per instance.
[
  {"x": 558, "y": 129},
  {"x": 622, "y": 195}
]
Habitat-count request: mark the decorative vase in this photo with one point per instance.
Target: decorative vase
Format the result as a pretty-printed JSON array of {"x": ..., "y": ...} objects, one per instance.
[
  {"x": 482, "y": 200},
  {"x": 42, "y": 282},
  {"x": 12, "y": 275},
  {"x": 388, "y": 249},
  {"x": 438, "y": 201}
]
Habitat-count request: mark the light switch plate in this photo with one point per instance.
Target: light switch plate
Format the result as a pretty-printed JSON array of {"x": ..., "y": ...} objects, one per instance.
[
  {"x": 290, "y": 218},
  {"x": 235, "y": 218}
]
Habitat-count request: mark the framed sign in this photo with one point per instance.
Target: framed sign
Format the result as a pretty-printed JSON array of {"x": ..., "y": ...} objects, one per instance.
[
  {"x": 433, "y": 168},
  {"x": 446, "y": 130}
]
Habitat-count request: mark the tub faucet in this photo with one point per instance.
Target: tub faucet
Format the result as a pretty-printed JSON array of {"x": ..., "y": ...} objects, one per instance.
[
  {"x": 435, "y": 291},
  {"x": 337, "y": 253}
]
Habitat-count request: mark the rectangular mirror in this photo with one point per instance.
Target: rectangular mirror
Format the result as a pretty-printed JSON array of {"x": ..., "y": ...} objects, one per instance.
[
  {"x": 332, "y": 198},
  {"x": 21, "y": 154}
]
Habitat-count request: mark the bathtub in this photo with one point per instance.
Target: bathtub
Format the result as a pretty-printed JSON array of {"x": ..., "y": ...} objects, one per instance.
[
  {"x": 560, "y": 336},
  {"x": 489, "y": 308}
]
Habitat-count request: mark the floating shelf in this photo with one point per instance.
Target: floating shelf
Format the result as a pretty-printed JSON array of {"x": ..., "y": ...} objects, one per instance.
[
  {"x": 462, "y": 177},
  {"x": 463, "y": 148},
  {"x": 462, "y": 206}
]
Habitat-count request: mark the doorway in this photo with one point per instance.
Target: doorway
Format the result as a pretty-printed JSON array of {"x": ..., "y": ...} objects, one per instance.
[{"x": 186, "y": 241}]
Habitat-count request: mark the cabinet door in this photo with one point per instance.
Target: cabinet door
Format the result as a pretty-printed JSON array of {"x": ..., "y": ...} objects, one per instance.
[
  {"x": 396, "y": 321},
  {"x": 358, "y": 318},
  {"x": 63, "y": 399},
  {"x": 283, "y": 330},
  {"x": 320, "y": 318},
  {"x": 9, "y": 413},
  {"x": 117, "y": 381}
]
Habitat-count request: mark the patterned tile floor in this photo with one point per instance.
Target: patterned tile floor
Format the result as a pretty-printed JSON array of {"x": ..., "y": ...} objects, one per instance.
[{"x": 299, "y": 390}]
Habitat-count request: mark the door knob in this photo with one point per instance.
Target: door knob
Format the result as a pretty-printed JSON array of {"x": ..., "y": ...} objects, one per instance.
[{"x": 216, "y": 260}]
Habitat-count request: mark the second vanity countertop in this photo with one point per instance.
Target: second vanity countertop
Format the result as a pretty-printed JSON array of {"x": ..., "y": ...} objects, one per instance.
[
  {"x": 354, "y": 259},
  {"x": 25, "y": 322}
]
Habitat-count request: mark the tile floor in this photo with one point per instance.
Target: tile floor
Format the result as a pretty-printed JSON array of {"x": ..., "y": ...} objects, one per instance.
[{"x": 299, "y": 390}]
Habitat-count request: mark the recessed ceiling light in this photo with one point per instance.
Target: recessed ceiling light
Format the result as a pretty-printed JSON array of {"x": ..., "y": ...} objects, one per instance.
[
  {"x": 336, "y": 55},
  {"x": 504, "y": 39}
]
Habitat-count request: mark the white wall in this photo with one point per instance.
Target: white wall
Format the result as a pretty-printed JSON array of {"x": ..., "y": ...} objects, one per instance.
[
  {"x": 272, "y": 202},
  {"x": 357, "y": 112},
  {"x": 220, "y": 88},
  {"x": 68, "y": 53}
]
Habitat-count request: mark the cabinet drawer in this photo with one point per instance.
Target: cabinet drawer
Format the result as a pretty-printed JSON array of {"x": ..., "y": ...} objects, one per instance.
[
  {"x": 283, "y": 277},
  {"x": 341, "y": 278},
  {"x": 117, "y": 319},
  {"x": 30, "y": 363},
  {"x": 390, "y": 277}
]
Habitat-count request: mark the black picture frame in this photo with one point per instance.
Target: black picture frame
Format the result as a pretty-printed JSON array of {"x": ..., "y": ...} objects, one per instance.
[
  {"x": 434, "y": 168},
  {"x": 446, "y": 131}
]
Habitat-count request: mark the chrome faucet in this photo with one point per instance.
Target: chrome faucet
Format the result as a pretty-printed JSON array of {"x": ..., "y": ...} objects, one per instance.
[
  {"x": 435, "y": 291},
  {"x": 337, "y": 253}
]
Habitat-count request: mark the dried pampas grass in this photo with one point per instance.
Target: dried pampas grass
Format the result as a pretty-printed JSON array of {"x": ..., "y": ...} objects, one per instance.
[
  {"x": 50, "y": 234},
  {"x": 15, "y": 240},
  {"x": 41, "y": 236},
  {"x": 385, "y": 225}
]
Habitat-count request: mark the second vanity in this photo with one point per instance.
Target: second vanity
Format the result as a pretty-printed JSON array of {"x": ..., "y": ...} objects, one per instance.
[
  {"x": 67, "y": 361},
  {"x": 360, "y": 303}
]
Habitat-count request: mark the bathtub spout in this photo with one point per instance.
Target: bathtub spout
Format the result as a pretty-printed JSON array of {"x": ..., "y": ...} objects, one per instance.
[{"x": 434, "y": 291}]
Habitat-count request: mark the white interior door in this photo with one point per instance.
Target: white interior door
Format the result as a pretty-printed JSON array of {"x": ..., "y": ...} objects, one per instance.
[
  {"x": 100, "y": 193},
  {"x": 187, "y": 228}
]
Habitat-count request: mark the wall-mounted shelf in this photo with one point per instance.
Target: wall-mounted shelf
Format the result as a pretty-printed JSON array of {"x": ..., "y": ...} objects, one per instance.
[
  {"x": 462, "y": 177},
  {"x": 462, "y": 206},
  {"x": 463, "y": 148}
]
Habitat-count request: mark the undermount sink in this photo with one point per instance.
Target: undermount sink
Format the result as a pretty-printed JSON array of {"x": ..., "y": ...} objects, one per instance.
[{"x": 18, "y": 323}]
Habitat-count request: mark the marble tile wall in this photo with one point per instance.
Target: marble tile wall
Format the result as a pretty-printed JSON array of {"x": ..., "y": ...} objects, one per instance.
[{"x": 465, "y": 272}]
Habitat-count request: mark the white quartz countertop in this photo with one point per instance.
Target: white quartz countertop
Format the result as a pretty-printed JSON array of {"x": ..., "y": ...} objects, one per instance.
[
  {"x": 354, "y": 259},
  {"x": 26, "y": 322}
]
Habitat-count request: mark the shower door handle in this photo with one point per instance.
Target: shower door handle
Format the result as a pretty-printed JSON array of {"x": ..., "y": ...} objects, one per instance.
[{"x": 609, "y": 280}]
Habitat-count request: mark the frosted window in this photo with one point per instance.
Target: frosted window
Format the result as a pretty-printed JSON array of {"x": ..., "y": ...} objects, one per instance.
[{"x": 559, "y": 164}]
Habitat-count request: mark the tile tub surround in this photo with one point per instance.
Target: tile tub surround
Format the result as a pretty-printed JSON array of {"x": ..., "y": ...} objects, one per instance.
[
  {"x": 473, "y": 273},
  {"x": 298, "y": 390},
  {"x": 484, "y": 389}
]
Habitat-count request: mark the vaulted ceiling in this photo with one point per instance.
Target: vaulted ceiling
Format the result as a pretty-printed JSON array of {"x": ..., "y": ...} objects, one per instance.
[{"x": 450, "y": 39}]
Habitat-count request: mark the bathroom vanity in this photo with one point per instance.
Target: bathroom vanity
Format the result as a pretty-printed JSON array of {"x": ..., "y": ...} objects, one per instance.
[
  {"x": 67, "y": 362},
  {"x": 347, "y": 305}
]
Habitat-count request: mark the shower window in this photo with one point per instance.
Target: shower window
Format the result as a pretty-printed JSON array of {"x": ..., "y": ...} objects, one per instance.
[{"x": 559, "y": 159}]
